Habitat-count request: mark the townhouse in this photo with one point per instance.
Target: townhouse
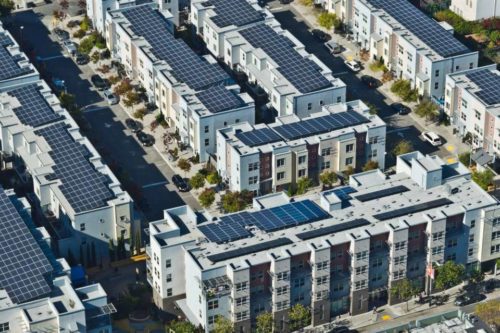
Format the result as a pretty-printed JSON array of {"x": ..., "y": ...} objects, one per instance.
[
  {"x": 412, "y": 45},
  {"x": 265, "y": 158},
  {"x": 473, "y": 10},
  {"x": 334, "y": 252},
  {"x": 472, "y": 102},
  {"x": 193, "y": 92},
  {"x": 276, "y": 65},
  {"x": 36, "y": 293}
]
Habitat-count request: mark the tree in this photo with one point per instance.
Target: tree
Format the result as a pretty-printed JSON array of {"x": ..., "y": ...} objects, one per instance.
[
  {"x": 403, "y": 89},
  {"x": 308, "y": 3},
  {"x": 299, "y": 316},
  {"x": 234, "y": 201},
  {"x": 328, "y": 178},
  {"x": 197, "y": 181},
  {"x": 123, "y": 87},
  {"x": 67, "y": 101},
  {"x": 403, "y": 147},
  {"x": 448, "y": 275},
  {"x": 489, "y": 312},
  {"x": 213, "y": 178},
  {"x": 464, "y": 158},
  {"x": 327, "y": 20},
  {"x": 182, "y": 327},
  {"x": 184, "y": 165},
  {"x": 86, "y": 45},
  {"x": 476, "y": 276},
  {"x": 427, "y": 109},
  {"x": 265, "y": 322},
  {"x": 207, "y": 197},
  {"x": 349, "y": 171},
  {"x": 6, "y": 6},
  {"x": 303, "y": 185},
  {"x": 370, "y": 165},
  {"x": 95, "y": 57},
  {"x": 483, "y": 178},
  {"x": 223, "y": 325},
  {"x": 131, "y": 98},
  {"x": 404, "y": 290}
]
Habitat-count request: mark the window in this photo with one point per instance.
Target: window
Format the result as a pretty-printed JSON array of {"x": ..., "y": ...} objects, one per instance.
[
  {"x": 399, "y": 260},
  {"x": 360, "y": 270},
  {"x": 451, "y": 242},
  {"x": 309, "y": 106},
  {"x": 241, "y": 315},
  {"x": 207, "y": 142},
  {"x": 471, "y": 238},
  {"x": 4, "y": 327},
  {"x": 322, "y": 266},
  {"x": 360, "y": 284},
  {"x": 299, "y": 297},
  {"x": 495, "y": 249},
  {"x": 470, "y": 252},
  {"x": 472, "y": 223},
  {"x": 281, "y": 290},
  {"x": 338, "y": 287},
  {"x": 241, "y": 301},
  {"x": 349, "y": 148},
  {"x": 464, "y": 103},
  {"x": 377, "y": 262},
  {"x": 302, "y": 173},
  {"x": 471, "y": 65},
  {"x": 280, "y": 162},
  {"x": 169, "y": 292},
  {"x": 302, "y": 159},
  {"x": 168, "y": 263},
  {"x": 206, "y": 129},
  {"x": 298, "y": 282},
  {"x": 325, "y": 165},
  {"x": 495, "y": 221},
  {"x": 281, "y": 305},
  {"x": 414, "y": 267},
  {"x": 436, "y": 85},
  {"x": 373, "y": 140},
  {"x": 361, "y": 255},
  {"x": 82, "y": 226},
  {"x": 241, "y": 286},
  {"x": 413, "y": 235},
  {"x": 399, "y": 246},
  {"x": 280, "y": 175},
  {"x": 398, "y": 275},
  {"x": 377, "y": 277},
  {"x": 213, "y": 304},
  {"x": 282, "y": 276},
  {"x": 211, "y": 320},
  {"x": 437, "y": 250},
  {"x": 253, "y": 166},
  {"x": 321, "y": 280},
  {"x": 326, "y": 151},
  {"x": 339, "y": 99},
  {"x": 348, "y": 161},
  {"x": 169, "y": 277},
  {"x": 451, "y": 257},
  {"x": 253, "y": 180},
  {"x": 437, "y": 235},
  {"x": 321, "y": 103},
  {"x": 436, "y": 73},
  {"x": 495, "y": 235}
]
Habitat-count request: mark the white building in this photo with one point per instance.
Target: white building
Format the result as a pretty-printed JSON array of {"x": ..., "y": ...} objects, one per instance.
[
  {"x": 251, "y": 42},
  {"x": 265, "y": 158},
  {"x": 473, "y": 10},
  {"x": 412, "y": 45},
  {"x": 473, "y": 104},
  {"x": 194, "y": 93},
  {"x": 335, "y": 252}
]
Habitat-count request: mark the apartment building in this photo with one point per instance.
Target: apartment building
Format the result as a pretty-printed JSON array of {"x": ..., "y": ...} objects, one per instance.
[
  {"x": 266, "y": 158},
  {"x": 251, "y": 42},
  {"x": 75, "y": 194},
  {"x": 473, "y": 104},
  {"x": 473, "y": 10},
  {"x": 194, "y": 93},
  {"x": 412, "y": 45},
  {"x": 335, "y": 252},
  {"x": 36, "y": 294}
]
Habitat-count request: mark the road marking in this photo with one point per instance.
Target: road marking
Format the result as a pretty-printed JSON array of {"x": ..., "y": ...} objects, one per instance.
[
  {"x": 386, "y": 317},
  {"x": 155, "y": 184},
  {"x": 50, "y": 58},
  {"x": 341, "y": 73},
  {"x": 276, "y": 9},
  {"x": 93, "y": 109},
  {"x": 450, "y": 148},
  {"x": 396, "y": 130},
  {"x": 451, "y": 160}
]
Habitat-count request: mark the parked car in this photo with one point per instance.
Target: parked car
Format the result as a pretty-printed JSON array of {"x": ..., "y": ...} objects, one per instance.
[
  {"x": 370, "y": 81},
  {"x": 473, "y": 318},
  {"x": 489, "y": 286},
  {"x": 111, "y": 98},
  {"x": 180, "y": 183},
  {"x": 285, "y": 2},
  {"x": 468, "y": 299},
  {"x": 352, "y": 65},
  {"x": 73, "y": 23},
  {"x": 82, "y": 59},
  {"x": 146, "y": 140},
  {"x": 333, "y": 47},
  {"x": 70, "y": 47},
  {"x": 340, "y": 329},
  {"x": 400, "y": 108},
  {"x": 133, "y": 125},
  {"x": 98, "y": 82},
  {"x": 61, "y": 34},
  {"x": 432, "y": 138},
  {"x": 320, "y": 35}
]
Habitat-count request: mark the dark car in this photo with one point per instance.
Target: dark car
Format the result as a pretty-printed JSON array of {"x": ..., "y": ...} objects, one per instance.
[
  {"x": 98, "y": 82},
  {"x": 400, "y": 108},
  {"x": 320, "y": 35},
  {"x": 180, "y": 183},
  {"x": 370, "y": 81},
  {"x": 285, "y": 2},
  {"x": 82, "y": 59},
  {"x": 61, "y": 34},
  {"x": 133, "y": 125},
  {"x": 340, "y": 329},
  {"x": 489, "y": 286},
  {"x": 468, "y": 299},
  {"x": 145, "y": 139}
]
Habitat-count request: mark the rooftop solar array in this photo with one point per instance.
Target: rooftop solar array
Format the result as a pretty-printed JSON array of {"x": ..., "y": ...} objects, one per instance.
[
  {"x": 412, "y": 209},
  {"x": 218, "y": 99},
  {"x": 489, "y": 83},
  {"x": 83, "y": 186},
  {"x": 258, "y": 137},
  {"x": 382, "y": 193},
  {"x": 249, "y": 249},
  {"x": 233, "y": 227},
  {"x": 302, "y": 73},
  {"x": 9, "y": 67},
  {"x": 34, "y": 110},
  {"x": 23, "y": 264},
  {"x": 332, "y": 229},
  {"x": 233, "y": 12},
  {"x": 186, "y": 65},
  {"x": 425, "y": 28}
]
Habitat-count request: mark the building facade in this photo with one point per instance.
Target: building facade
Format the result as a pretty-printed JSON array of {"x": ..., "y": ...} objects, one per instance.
[{"x": 473, "y": 10}]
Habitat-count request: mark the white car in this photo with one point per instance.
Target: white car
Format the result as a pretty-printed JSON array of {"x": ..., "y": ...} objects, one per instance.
[
  {"x": 333, "y": 47},
  {"x": 111, "y": 98},
  {"x": 70, "y": 47},
  {"x": 352, "y": 65},
  {"x": 432, "y": 138}
]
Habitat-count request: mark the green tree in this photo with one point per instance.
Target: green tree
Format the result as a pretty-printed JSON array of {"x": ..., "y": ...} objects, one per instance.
[
  {"x": 265, "y": 322},
  {"x": 182, "y": 327},
  {"x": 131, "y": 98},
  {"x": 213, "y": 178},
  {"x": 427, "y": 109},
  {"x": 67, "y": 101},
  {"x": 483, "y": 178},
  {"x": 207, "y": 197},
  {"x": 464, "y": 158},
  {"x": 85, "y": 24},
  {"x": 223, "y": 325},
  {"x": 197, "y": 181},
  {"x": 6, "y": 6},
  {"x": 327, "y": 20},
  {"x": 403, "y": 89},
  {"x": 123, "y": 87},
  {"x": 404, "y": 290},
  {"x": 299, "y": 316},
  {"x": 476, "y": 276},
  {"x": 184, "y": 165},
  {"x": 303, "y": 185},
  {"x": 86, "y": 45},
  {"x": 449, "y": 275},
  {"x": 94, "y": 57},
  {"x": 370, "y": 165},
  {"x": 373, "y": 108},
  {"x": 489, "y": 312},
  {"x": 234, "y": 201},
  {"x": 328, "y": 178},
  {"x": 307, "y": 3},
  {"x": 403, "y": 147},
  {"x": 349, "y": 171}
]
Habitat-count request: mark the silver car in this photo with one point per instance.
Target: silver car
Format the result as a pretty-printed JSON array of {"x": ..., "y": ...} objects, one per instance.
[
  {"x": 70, "y": 47},
  {"x": 111, "y": 98}
]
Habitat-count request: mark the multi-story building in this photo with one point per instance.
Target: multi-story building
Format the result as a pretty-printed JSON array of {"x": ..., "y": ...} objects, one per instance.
[
  {"x": 36, "y": 294},
  {"x": 473, "y": 10},
  {"x": 250, "y": 41},
  {"x": 265, "y": 158},
  {"x": 412, "y": 45},
  {"x": 194, "y": 93},
  {"x": 335, "y": 252},
  {"x": 472, "y": 102}
]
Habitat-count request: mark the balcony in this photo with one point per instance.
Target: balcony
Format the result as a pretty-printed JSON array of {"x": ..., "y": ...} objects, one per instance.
[{"x": 217, "y": 287}]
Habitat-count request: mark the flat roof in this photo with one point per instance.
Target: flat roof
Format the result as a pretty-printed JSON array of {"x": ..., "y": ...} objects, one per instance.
[
  {"x": 233, "y": 12},
  {"x": 9, "y": 65},
  {"x": 487, "y": 83},
  {"x": 219, "y": 98}
]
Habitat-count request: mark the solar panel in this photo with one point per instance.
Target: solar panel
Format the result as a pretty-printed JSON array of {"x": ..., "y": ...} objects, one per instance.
[
  {"x": 425, "y": 28},
  {"x": 343, "y": 193},
  {"x": 413, "y": 209},
  {"x": 9, "y": 67},
  {"x": 258, "y": 137},
  {"x": 34, "y": 110},
  {"x": 332, "y": 229},
  {"x": 302, "y": 73},
  {"x": 218, "y": 99},
  {"x": 382, "y": 193},
  {"x": 234, "y": 12},
  {"x": 249, "y": 249},
  {"x": 489, "y": 83},
  {"x": 23, "y": 263},
  {"x": 83, "y": 186},
  {"x": 186, "y": 66}
]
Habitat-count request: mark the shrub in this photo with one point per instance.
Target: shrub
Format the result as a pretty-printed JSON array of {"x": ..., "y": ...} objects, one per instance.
[
  {"x": 197, "y": 181},
  {"x": 79, "y": 34},
  {"x": 328, "y": 20},
  {"x": 94, "y": 57},
  {"x": 207, "y": 197},
  {"x": 213, "y": 178},
  {"x": 113, "y": 79},
  {"x": 86, "y": 45},
  {"x": 104, "y": 69},
  {"x": 403, "y": 89},
  {"x": 85, "y": 24},
  {"x": 140, "y": 113},
  {"x": 378, "y": 65}
]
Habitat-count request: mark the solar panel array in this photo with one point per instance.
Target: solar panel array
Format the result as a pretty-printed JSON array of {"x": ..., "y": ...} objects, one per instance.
[
  {"x": 234, "y": 12},
  {"x": 83, "y": 186},
  {"x": 382, "y": 193},
  {"x": 489, "y": 83},
  {"x": 34, "y": 110},
  {"x": 332, "y": 229},
  {"x": 218, "y": 99},
  {"x": 258, "y": 137},
  {"x": 23, "y": 263},
  {"x": 412, "y": 209},
  {"x": 302, "y": 73},
  {"x": 9, "y": 68},
  {"x": 249, "y": 249},
  {"x": 187, "y": 66},
  {"x": 233, "y": 227},
  {"x": 425, "y": 28}
]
